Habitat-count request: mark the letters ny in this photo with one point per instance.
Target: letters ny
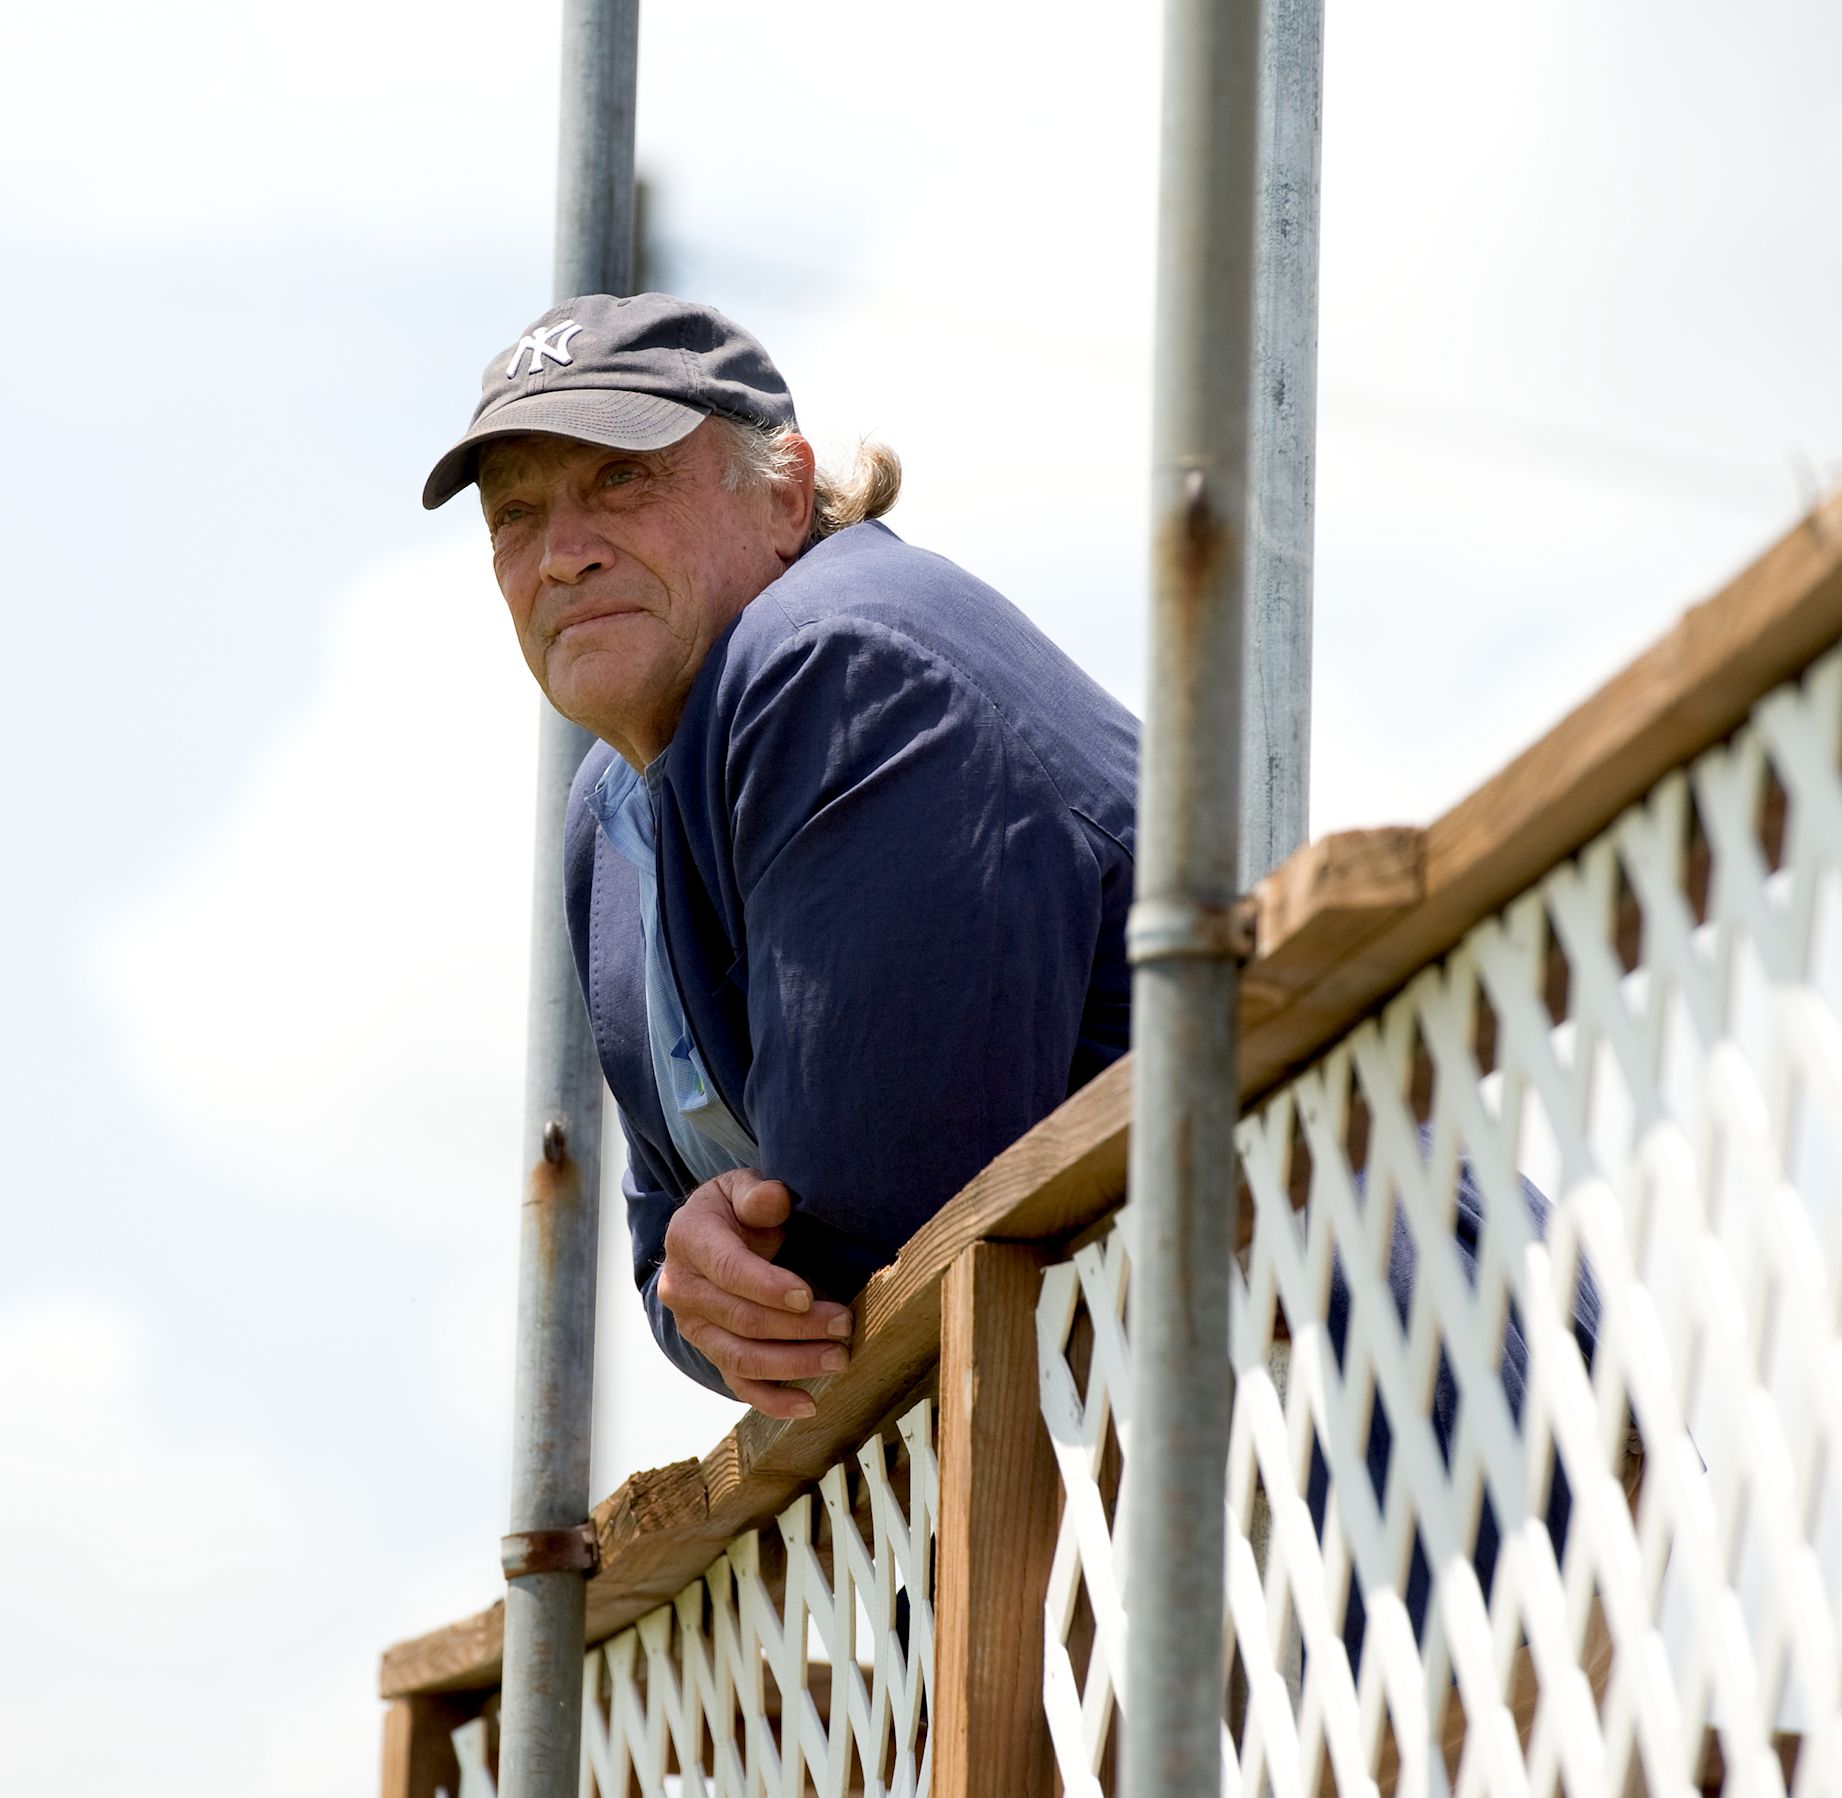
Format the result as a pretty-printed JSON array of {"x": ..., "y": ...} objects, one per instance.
[{"x": 540, "y": 345}]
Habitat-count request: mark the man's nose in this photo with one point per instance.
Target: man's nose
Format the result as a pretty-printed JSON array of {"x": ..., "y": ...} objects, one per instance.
[{"x": 572, "y": 547}]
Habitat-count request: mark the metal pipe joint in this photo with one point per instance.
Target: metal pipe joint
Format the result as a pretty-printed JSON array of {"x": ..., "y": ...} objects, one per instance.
[
  {"x": 575, "y": 1550},
  {"x": 1191, "y": 930}
]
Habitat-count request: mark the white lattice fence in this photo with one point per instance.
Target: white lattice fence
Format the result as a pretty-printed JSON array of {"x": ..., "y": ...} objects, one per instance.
[
  {"x": 802, "y": 1662},
  {"x": 1533, "y": 1505}
]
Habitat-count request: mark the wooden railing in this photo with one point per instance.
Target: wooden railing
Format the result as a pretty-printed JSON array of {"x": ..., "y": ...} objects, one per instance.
[{"x": 858, "y": 1599}]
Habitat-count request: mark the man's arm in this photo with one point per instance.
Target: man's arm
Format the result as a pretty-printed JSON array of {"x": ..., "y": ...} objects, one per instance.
[
  {"x": 720, "y": 1309},
  {"x": 721, "y": 1294},
  {"x": 702, "y": 1262},
  {"x": 922, "y": 911},
  {"x": 649, "y": 1214}
]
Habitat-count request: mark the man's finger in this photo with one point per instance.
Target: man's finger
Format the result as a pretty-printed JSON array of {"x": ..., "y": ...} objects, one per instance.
[
  {"x": 765, "y": 1243},
  {"x": 786, "y": 1402},
  {"x": 709, "y": 1240},
  {"x": 690, "y": 1297},
  {"x": 756, "y": 1360}
]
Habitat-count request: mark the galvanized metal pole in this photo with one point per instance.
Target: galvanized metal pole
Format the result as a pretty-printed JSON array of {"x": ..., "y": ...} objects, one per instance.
[
  {"x": 595, "y": 206},
  {"x": 541, "y": 1716},
  {"x": 1184, "y": 928},
  {"x": 1276, "y": 685},
  {"x": 1282, "y": 487}
]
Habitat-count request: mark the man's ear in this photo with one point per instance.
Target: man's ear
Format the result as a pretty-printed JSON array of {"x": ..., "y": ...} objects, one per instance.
[{"x": 790, "y": 500}]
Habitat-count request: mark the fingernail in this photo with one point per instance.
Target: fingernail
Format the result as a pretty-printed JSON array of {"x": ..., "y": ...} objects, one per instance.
[
  {"x": 805, "y": 1408},
  {"x": 839, "y": 1326},
  {"x": 835, "y": 1360},
  {"x": 798, "y": 1299}
]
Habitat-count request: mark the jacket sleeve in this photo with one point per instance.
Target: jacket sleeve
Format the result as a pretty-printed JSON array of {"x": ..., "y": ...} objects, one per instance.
[
  {"x": 649, "y": 1211},
  {"x": 921, "y": 911}
]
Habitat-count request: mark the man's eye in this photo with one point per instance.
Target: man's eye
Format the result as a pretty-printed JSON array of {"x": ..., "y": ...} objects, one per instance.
[
  {"x": 618, "y": 474},
  {"x": 508, "y": 515}
]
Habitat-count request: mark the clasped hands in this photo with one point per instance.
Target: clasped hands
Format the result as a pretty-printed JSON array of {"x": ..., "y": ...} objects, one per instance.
[{"x": 757, "y": 1324}]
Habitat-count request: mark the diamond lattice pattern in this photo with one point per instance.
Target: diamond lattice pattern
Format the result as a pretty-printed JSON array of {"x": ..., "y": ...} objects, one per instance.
[
  {"x": 1471, "y": 1546},
  {"x": 801, "y": 1663}
]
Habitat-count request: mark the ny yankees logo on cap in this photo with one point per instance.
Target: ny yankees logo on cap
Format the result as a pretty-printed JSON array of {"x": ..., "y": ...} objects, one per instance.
[
  {"x": 540, "y": 346},
  {"x": 635, "y": 372}
]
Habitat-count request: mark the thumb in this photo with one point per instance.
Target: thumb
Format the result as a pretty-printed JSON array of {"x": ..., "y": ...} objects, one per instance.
[{"x": 759, "y": 1203}]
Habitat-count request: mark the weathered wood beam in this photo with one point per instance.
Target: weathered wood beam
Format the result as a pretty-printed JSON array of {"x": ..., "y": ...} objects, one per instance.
[
  {"x": 1682, "y": 695},
  {"x": 998, "y": 1507},
  {"x": 419, "y": 1759}
]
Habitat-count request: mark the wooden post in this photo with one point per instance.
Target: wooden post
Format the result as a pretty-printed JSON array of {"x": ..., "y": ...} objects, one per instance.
[
  {"x": 996, "y": 1531},
  {"x": 418, "y": 1752}
]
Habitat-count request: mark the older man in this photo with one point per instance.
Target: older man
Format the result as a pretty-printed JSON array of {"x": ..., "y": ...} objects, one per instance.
[{"x": 847, "y": 872}]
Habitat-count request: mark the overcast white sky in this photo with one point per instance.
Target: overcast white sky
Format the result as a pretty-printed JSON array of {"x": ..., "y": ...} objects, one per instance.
[{"x": 268, "y": 743}]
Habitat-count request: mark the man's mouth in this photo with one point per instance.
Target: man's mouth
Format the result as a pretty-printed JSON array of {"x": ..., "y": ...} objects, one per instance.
[{"x": 574, "y": 620}]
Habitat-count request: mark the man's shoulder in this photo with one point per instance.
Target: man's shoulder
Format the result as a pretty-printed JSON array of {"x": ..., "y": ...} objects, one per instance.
[
  {"x": 869, "y": 594},
  {"x": 863, "y": 615},
  {"x": 864, "y": 585}
]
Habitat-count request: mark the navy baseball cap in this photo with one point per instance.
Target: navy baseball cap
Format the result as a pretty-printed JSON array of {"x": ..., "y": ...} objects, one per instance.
[{"x": 635, "y": 373}]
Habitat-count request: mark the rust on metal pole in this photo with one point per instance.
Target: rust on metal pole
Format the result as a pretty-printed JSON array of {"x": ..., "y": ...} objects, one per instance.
[
  {"x": 541, "y": 1720},
  {"x": 1182, "y": 935}
]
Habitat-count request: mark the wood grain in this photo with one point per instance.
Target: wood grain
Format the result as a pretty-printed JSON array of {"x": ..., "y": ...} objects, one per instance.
[
  {"x": 1311, "y": 906},
  {"x": 464, "y": 1654},
  {"x": 1342, "y": 925},
  {"x": 998, "y": 1497},
  {"x": 418, "y": 1749}
]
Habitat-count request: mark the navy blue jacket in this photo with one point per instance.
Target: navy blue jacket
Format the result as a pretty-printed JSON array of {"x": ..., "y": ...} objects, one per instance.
[{"x": 895, "y": 856}]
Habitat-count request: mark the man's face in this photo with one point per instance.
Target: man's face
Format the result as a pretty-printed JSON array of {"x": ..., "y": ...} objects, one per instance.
[{"x": 621, "y": 568}]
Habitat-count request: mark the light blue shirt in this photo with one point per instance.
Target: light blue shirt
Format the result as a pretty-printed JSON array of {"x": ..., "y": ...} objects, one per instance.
[{"x": 703, "y": 1130}]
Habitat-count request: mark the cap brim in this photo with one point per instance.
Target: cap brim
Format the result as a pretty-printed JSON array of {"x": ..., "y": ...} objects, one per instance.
[{"x": 604, "y": 415}]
